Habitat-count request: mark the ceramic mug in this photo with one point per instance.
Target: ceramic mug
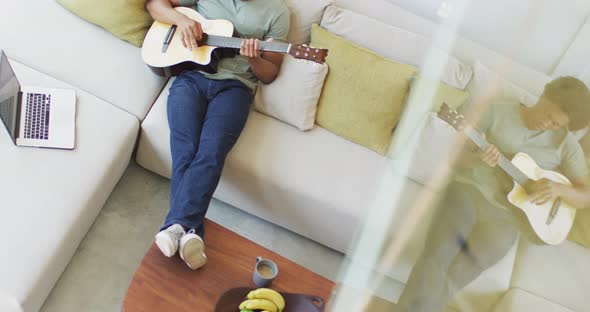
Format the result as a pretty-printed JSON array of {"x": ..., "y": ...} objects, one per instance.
[{"x": 265, "y": 271}]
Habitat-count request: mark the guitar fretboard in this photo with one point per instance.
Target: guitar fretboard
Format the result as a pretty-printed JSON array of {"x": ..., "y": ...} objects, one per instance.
[
  {"x": 231, "y": 42},
  {"x": 504, "y": 162}
]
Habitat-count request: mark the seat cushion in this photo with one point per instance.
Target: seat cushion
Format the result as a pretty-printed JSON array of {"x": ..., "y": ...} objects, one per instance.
[
  {"x": 51, "y": 197},
  {"x": 314, "y": 183},
  {"x": 49, "y": 38},
  {"x": 559, "y": 273},
  {"x": 518, "y": 300}
]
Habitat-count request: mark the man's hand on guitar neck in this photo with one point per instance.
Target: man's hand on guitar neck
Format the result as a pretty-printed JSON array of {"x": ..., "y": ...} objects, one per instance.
[
  {"x": 472, "y": 154},
  {"x": 264, "y": 65},
  {"x": 250, "y": 48},
  {"x": 491, "y": 156}
]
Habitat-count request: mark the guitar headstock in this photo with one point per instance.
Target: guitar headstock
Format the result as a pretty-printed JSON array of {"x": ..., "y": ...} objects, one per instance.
[
  {"x": 301, "y": 51},
  {"x": 452, "y": 117}
]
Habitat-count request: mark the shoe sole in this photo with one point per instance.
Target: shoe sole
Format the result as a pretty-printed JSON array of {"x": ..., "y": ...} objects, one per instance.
[
  {"x": 193, "y": 252},
  {"x": 164, "y": 242}
]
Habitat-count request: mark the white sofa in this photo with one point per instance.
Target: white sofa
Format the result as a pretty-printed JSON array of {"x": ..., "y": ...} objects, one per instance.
[
  {"x": 319, "y": 185},
  {"x": 50, "y": 198},
  {"x": 316, "y": 183}
]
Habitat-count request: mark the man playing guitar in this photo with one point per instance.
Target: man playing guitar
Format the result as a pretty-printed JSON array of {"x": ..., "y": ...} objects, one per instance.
[
  {"x": 477, "y": 225},
  {"x": 207, "y": 112}
]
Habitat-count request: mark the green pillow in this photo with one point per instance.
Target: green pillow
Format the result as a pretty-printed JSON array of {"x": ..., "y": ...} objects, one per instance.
[
  {"x": 364, "y": 93},
  {"x": 126, "y": 19},
  {"x": 444, "y": 93}
]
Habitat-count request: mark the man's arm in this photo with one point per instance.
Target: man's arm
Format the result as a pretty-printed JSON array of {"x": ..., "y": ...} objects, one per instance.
[
  {"x": 163, "y": 11},
  {"x": 577, "y": 195},
  {"x": 265, "y": 65}
]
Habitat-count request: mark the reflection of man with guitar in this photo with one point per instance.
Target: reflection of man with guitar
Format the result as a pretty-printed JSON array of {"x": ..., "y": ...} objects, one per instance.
[
  {"x": 478, "y": 223},
  {"x": 208, "y": 111}
]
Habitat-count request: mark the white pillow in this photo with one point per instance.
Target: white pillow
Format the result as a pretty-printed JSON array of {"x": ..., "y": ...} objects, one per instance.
[
  {"x": 293, "y": 96},
  {"x": 488, "y": 84},
  {"x": 392, "y": 42},
  {"x": 304, "y": 13},
  {"x": 434, "y": 152}
]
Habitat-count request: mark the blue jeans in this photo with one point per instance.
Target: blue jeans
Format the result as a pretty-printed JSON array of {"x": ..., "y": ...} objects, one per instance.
[{"x": 206, "y": 118}]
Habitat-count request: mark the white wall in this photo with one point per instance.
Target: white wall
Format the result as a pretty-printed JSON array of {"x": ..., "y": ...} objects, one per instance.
[
  {"x": 533, "y": 32},
  {"x": 575, "y": 61}
]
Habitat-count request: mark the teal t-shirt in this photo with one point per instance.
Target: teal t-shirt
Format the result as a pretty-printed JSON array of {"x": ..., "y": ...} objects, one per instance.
[
  {"x": 556, "y": 150},
  {"x": 261, "y": 19}
]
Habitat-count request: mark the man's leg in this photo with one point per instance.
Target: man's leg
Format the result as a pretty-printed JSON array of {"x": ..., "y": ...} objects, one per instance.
[
  {"x": 187, "y": 107},
  {"x": 491, "y": 238},
  {"x": 427, "y": 289},
  {"x": 229, "y": 106}
]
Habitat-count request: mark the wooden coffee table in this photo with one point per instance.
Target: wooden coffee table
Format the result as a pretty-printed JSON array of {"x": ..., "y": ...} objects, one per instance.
[{"x": 167, "y": 284}]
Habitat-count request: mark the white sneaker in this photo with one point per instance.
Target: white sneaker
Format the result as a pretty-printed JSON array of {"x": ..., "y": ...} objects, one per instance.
[
  {"x": 167, "y": 240},
  {"x": 192, "y": 250}
]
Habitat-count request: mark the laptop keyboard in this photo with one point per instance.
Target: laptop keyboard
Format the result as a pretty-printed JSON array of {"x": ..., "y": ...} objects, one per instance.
[{"x": 37, "y": 116}]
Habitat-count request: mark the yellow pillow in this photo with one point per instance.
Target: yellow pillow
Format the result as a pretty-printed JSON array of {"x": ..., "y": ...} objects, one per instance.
[
  {"x": 364, "y": 93},
  {"x": 444, "y": 94},
  {"x": 126, "y": 19}
]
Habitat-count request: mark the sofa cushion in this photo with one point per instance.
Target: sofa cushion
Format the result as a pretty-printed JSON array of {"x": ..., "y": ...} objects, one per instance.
[
  {"x": 49, "y": 38},
  {"x": 394, "y": 43},
  {"x": 433, "y": 137},
  {"x": 314, "y": 183},
  {"x": 293, "y": 96},
  {"x": 52, "y": 197},
  {"x": 364, "y": 93},
  {"x": 304, "y": 13},
  {"x": 128, "y": 20},
  {"x": 518, "y": 300},
  {"x": 558, "y": 273}
]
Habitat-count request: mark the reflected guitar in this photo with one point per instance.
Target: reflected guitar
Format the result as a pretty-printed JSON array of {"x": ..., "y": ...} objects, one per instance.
[
  {"x": 167, "y": 56},
  {"x": 552, "y": 221}
]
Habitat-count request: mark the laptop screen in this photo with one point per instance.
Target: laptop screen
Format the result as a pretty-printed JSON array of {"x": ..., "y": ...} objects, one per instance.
[{"x": 9, "y": 90}]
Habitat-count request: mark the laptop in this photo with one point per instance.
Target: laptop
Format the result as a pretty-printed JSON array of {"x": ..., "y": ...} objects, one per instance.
[{"x": 36, "y": 116}]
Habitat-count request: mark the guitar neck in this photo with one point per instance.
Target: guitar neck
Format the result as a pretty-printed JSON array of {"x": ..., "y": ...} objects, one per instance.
[
  {"x": 235, "y": 43},
  {"x": 504, "y": 163}
]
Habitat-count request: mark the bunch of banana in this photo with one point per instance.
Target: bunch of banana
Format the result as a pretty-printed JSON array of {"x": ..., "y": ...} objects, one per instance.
[{"x": 263, "y": 299}]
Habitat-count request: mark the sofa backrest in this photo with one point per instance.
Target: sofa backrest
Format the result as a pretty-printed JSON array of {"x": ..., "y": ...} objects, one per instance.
[
  {"x": 464, "y": 49},
  {"x": 45, "y": 36},
  {"x": 304, "y": 13}
]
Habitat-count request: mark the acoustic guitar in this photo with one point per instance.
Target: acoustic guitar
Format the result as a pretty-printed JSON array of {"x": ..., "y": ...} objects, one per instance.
[
  {"x": 552, "y": 221},
  {"x": 167, "y": 56}
]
